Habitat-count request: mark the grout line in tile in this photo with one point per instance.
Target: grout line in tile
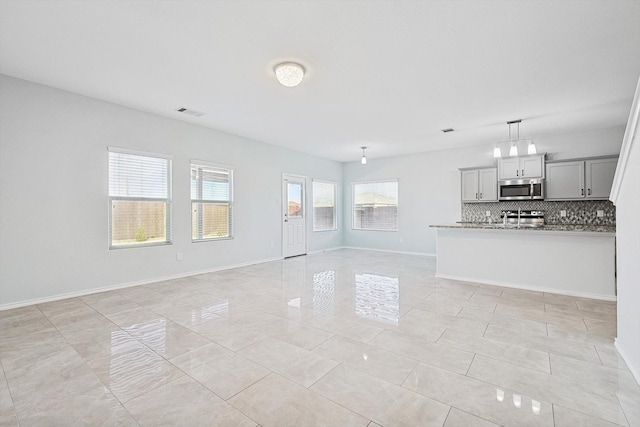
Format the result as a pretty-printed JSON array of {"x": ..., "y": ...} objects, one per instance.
[
  {"x": 626, "y": 417},
  {"x": 447, "y": 417},
  {"x": 469, "y": 368},
  {"x": 598, "y": 353}
]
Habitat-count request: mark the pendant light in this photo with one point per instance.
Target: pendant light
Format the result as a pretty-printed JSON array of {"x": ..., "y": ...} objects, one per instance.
[
  {"x": 496, "y": 152},
  {"x": 531, "y": 148},
  {"x": 513, "y": 151},
  {"x": 363, "y": 161}
]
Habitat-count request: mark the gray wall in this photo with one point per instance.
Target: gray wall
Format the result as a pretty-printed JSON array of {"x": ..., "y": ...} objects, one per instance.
[{"x": 53, "y": 194}]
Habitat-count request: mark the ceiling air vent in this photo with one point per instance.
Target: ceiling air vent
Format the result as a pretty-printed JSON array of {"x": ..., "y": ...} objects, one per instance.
[
  {"x": 189, "y": 112},
  {"x": 447, "y": 130}
]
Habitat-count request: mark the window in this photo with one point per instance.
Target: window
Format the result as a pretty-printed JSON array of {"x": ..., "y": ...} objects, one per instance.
[
  {"x": 211, "y": 202},
  {"x": 375, "y": 205},
  {"x": 324, "y": 206},
  {"x": 139, "y": 199}
]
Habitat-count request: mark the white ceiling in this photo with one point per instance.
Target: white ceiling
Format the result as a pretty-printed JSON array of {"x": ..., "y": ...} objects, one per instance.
[{"x": 386, "y": 74}]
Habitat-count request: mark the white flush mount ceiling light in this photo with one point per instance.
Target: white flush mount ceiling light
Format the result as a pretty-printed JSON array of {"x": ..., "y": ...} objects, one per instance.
[
  {"x": 289, "y": 74},
  {"x": 363, "y": 161}
]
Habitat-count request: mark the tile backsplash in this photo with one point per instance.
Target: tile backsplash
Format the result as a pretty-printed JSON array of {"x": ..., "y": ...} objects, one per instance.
[{"x": 578, "y": 212}]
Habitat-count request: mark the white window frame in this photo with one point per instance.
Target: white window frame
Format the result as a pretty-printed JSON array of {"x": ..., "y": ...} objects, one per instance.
[
  {"x": 335, "y": 204},
  {"x": 213, "y": 167},
  {"x": 168, "y": 200},
  {"x": 353, "y": 205}
]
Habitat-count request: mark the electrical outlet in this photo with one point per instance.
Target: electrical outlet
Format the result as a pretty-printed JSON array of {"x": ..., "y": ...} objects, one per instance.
[
  {"x": 487, "y": 213},
  {"x": 563, "y": 214},
  {"x": 600, "y": 213},
  {"x": 179, "y": 256}
]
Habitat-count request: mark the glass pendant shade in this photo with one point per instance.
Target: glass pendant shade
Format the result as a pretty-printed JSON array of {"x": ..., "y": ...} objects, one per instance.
[
  {"x": 513, "y": 151},
  {"x": 496, "y": 152},
  {"x": 531, "y": 148}
]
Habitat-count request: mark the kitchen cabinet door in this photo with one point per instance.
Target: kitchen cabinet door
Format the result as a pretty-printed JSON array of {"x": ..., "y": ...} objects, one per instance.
[
  {"x": 488, "y": 185},
  {"x": 509, "y": 168},
  {"x": 599, "y": 177},
  {"x": 531, "y": 167},
  {"x": 521, "y": 167},
  {"x": 469, "y": 179},
  {"x": 565, "y": 181}
]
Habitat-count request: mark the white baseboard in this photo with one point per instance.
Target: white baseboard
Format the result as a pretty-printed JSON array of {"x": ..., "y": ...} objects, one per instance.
[
  {"x": 85, "y": 292},
  {"x": 528, "y": 288},
  {"x": 335, "y": 248},
  {"x": 389, "y": 251},
  {"x": 635, "y": 370}
]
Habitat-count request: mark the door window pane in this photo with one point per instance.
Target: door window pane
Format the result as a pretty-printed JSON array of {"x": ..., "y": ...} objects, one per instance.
[{"x": 294, "y": 199}]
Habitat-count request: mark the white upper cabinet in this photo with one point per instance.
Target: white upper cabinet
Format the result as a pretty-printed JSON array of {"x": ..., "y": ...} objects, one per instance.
[
  {"x": 488, "y": 185},
  {"x": 469, "y": 180},
  {"x": 599, "y": 175},
  {"x": 565, "y": 181},
  {"x": 479, "y": 185},
  {"x": 580, "y": 179},
  {"x": 521, "y": 167}
]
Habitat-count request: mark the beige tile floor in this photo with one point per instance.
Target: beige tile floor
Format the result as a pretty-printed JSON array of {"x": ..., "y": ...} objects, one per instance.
[{"x": 336, "y": 339}]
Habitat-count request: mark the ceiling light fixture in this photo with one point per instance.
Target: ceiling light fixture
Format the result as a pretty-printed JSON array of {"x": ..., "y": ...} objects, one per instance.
[
  {"x": 289, "y": 74},
  {"x": 531, "y": 148},
  {"x": 496, "y": 152},
  {"x": 513, "y": 151},
  {"x": 364, "y": 157}
]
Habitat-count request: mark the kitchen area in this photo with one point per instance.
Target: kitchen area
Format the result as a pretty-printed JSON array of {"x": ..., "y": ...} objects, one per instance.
[{"x": 535, "y": 223}]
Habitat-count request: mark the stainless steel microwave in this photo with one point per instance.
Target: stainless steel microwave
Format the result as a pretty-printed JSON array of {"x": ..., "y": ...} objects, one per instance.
[{"x": 521, "y": 189}]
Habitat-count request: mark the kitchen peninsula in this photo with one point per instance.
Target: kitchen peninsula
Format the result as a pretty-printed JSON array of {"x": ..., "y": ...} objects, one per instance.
[{"x": 576, "y": 260}]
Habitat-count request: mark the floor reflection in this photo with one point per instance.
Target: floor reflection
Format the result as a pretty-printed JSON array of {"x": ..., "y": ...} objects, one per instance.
[
  {"x": 211, "y": 311},
  {"x": 517, "y": 401},
  {"x": 378, "y": 297},
  {"x": 324, "y": 291}
]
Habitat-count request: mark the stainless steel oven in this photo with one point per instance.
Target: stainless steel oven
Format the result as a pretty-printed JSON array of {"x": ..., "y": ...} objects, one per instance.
[{"x": 521, "y": 189}]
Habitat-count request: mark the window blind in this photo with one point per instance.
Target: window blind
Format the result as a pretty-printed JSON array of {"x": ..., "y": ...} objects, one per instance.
[
  {"x": 139, "y": 199},
  {"x": 375, "y": 205},
  {"x": 211, "y": 202},
  {"x": 324, "y": 206}
]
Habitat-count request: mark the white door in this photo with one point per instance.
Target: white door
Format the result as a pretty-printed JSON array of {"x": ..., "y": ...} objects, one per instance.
[{"x": 294, "y": 236}]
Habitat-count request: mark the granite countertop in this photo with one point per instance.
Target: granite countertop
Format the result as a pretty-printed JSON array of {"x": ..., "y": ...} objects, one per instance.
[{"x": 581, "y": 228}]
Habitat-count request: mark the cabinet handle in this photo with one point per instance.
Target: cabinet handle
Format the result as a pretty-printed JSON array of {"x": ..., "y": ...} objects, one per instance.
[
  {"x": 582, "y": 191},
  {"x": 517, "y": 172},
  {"x": 480, "y": 196},
  {"x": 476, "y": 196},
  {"x": 522, "y": 173},
  {"x": 588, "y": 192}
]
